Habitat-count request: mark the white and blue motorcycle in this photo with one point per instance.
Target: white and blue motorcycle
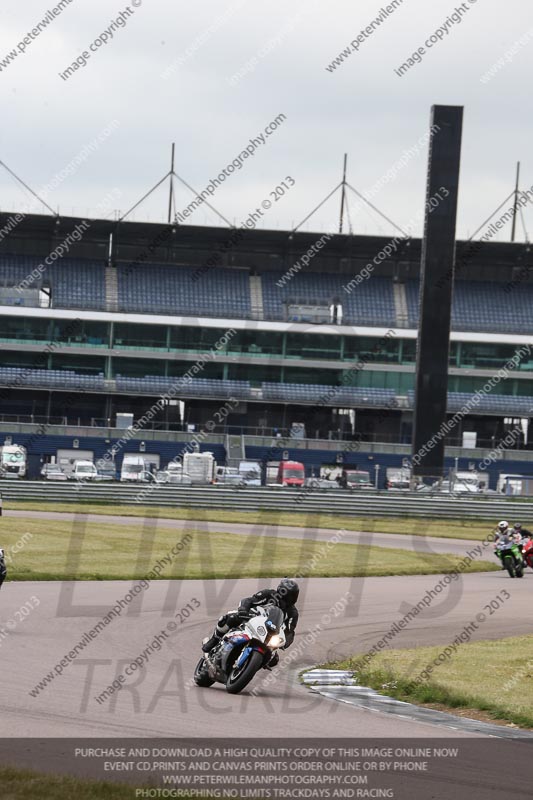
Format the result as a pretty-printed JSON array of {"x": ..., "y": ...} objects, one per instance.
[{"x": 243, "y": 651}]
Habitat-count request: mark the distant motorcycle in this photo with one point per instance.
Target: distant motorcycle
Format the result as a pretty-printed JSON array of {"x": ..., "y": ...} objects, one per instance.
[
  {"x": 527, "y": 552},
  {"x": 511, "y": 558},
  {"x": 242, "y": 652},
  {"x": 3, "y": 568}
]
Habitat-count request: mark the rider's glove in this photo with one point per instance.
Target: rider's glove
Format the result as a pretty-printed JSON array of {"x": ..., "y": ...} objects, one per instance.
[{"x": 289, "y": 639}]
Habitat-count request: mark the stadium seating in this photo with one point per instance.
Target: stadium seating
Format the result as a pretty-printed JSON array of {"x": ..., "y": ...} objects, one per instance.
[
  {"x": 482, "y": 306},
  {"x": 164, "y": 289},
  {"x": 369, "y": 303},
  {"x": 75, "y": 283},
  {"x": 490, "y": 403},
  {"x": 50, "y": 378},
  {"x": 326, "y": 395},
  {"x": 285, "y": 393},
  {"x": 196, "y": 387},
  {"x": 225, "y": 292},
  {"x": 508, "y": 405}
]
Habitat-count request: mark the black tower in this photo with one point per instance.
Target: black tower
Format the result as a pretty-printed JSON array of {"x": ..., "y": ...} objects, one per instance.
[{"x": 436, "y": 287}]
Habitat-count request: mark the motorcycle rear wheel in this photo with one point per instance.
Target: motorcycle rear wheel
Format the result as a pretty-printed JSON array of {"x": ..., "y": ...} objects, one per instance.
[
  {"x": 201, "y": 675},
  {"x": 520, "y": 571},
  {"x": 243, "y": 675},
  {"x": 509, "y": 566}
]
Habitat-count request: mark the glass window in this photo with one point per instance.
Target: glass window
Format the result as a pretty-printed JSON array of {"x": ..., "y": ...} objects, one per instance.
[
  {"x": 195, "y": 339},
  {"x": 257, "y": 343},
  {"x": 409, "y": 351},
  {"x": 313, "y": 346},
  {"x": 33, "y": 360},
  {"x": 88, "y": 365},
  {"x": 24, "y": 330},
  {"x": 485, "y": 355},
  {"x": 326, "y": 377},
  {"x": 137, "y": 367},
  {"x": 80, "y": 332},
  {"x": 372, "y": 349},
  {"x": 211, "y": 369},
  {"x": 255, "y": 373},
  {"x": 139, "y": 336}
]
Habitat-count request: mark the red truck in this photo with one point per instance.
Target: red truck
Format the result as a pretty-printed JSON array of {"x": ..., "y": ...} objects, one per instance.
[
  {"x": 291, "y": 473},
  {"x": 356, "y": 479}
]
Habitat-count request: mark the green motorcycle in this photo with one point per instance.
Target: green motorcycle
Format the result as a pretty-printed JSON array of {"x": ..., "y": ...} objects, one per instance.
[{"x": 511, "y": 557}]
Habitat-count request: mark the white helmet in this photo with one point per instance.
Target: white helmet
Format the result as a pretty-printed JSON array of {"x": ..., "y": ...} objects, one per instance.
[{"x": 503, "y": 525}]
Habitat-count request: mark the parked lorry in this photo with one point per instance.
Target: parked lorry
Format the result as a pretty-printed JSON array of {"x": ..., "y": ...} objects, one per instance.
[
  {"x": 250, "y": 471},
  {"x": 138, "y": 468},
  {"x": 291, "y": 473},
  {"x": 398, "y": 480},
  {"x": 356, "y": 479},
  {"x": 132, "y": 468},
  {"x": 13, "y": 461},
  {"x": 331, "y": 472},
  {"x": 272, "y": 469},
  {"x": 200, "y": 467}
]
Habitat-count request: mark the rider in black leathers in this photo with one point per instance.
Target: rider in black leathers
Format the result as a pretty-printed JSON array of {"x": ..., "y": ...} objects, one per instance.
[
  {"x": 285, "y": 597},
  {"x": 3, "y": 568}
]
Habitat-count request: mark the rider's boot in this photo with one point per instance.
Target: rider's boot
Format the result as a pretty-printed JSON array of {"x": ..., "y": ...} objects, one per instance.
[
  {"x": 208, "y": 644},
  {"x": 223, "y": 625}
]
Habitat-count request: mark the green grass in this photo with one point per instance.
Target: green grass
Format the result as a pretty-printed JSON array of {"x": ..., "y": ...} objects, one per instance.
[
  {"x": 493, "y": 677},
  {"x": 20, "y": 784},
  {"x": 450, "y": 529},
  {"x": 60, "y": 550}
]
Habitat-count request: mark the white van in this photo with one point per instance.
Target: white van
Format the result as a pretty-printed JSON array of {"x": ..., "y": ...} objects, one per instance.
[
  {"x": 133, "y": 469},
  {"x": 83, "y": 471},
  {"x": 13, "y": 459}
]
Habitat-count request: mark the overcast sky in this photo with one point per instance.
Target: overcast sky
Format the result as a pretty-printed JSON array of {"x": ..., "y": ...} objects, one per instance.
[{"x": 234, "y": 67}]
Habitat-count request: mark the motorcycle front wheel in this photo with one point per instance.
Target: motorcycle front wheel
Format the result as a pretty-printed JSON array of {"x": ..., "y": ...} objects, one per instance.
[
  {"x": 509, "y": 566},
  {"x": 240, "y": 677},
  {"x": 201, "y": 675}
]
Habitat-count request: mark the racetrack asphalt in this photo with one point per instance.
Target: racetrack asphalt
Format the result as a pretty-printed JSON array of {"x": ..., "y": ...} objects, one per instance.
[{"x": 162, "y": 701}]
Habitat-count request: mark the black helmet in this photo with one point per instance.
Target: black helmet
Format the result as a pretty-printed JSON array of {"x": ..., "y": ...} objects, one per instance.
[
  {"x": 518, "y": 526},
  {"x": 287, "y": 592}
]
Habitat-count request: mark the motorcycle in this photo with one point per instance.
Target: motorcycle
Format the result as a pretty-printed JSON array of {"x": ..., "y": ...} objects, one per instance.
[
  {"x": 3, "y": 568},
  {"x": 242, "y": 652},
  {"x": 511, "y": 558},
  {"x": 527, "y": 552}
]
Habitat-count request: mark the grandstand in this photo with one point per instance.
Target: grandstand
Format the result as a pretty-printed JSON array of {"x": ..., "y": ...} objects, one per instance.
[{"x": 128, "y": 314}]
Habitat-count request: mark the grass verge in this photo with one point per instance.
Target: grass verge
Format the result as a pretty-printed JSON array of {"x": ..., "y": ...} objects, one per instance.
[
  {"x": 492, "y": 677},
  {"x": 450, "y": 529},
  {"x": 18, "y": 784},
  {"x": 74, "y": 551}
]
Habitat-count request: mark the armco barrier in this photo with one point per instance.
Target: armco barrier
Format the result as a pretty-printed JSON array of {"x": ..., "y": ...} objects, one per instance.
[{"x": 250, "y": 499}]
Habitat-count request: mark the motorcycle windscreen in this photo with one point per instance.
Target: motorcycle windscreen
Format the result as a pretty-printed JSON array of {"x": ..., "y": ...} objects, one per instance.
[{"x": 274, "y": 619}]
